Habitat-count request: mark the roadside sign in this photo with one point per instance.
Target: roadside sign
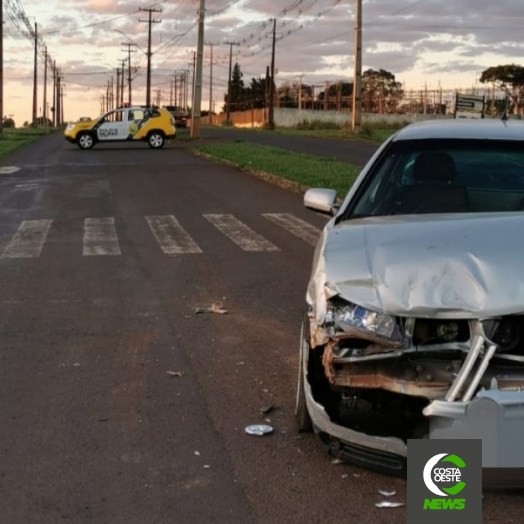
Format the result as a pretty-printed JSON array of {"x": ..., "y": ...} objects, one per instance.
[{"x": 469, "y": 106}]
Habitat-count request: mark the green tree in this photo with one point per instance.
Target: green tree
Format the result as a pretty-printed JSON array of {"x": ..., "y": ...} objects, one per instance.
[
  {"x": 8, "y": 122},
  {"x": 510, "y": 79},
  {"x": 381, "y": 92}
]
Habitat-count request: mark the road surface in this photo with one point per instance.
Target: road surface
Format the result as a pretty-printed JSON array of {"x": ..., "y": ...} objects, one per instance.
[{"x": 119, "y": 404}]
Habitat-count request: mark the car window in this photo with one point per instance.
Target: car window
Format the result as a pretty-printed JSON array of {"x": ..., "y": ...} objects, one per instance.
[
  {"x": 135, "y": 114},
  {"x": 443, "y": 176}
]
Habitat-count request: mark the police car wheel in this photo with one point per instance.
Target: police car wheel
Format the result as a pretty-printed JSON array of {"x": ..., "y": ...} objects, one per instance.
[
  {"x": 156, "y": 140},
  {"x": 85, "y": 141}
]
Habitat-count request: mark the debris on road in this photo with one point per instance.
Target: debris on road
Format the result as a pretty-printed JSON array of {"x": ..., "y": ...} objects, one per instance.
[
  {"x": 176, "y": 373},
  {"x": 336, "y": 461},
  {"x": 216, "y": 307},
  {"x": 259, "y": 430},
  {"x": 266, "y": 409},
  {"x": 345, "y": 476},
  {"x": 388, "y": 504},
  {"x": 387, "y": 493},
  {"x": 197, "y": 453}
]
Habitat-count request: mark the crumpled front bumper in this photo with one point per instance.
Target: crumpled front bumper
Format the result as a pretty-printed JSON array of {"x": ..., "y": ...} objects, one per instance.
[{"x": 495, "y": 415}]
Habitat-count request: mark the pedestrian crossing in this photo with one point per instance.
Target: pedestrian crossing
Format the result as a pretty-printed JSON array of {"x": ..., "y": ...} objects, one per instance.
[{"x": 100, "y": 235}]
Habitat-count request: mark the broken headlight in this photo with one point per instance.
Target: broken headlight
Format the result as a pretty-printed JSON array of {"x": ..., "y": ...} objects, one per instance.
[{"x": 350, "y": 317}]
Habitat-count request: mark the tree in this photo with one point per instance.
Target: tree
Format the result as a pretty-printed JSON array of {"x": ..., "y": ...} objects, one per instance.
[
  {"x": 338, "y": 91},
  {"x": 381, "y": 92},
  {"x": 236, "y": 89},
  {"x": 510, "y": 79},
  {"x": 8, "y": 122}
]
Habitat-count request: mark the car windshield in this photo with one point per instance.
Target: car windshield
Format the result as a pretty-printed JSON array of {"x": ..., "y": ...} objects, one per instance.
[{"x": 444, "y": 176}]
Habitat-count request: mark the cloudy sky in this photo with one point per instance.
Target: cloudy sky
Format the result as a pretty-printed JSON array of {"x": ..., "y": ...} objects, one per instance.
[{"x": 423, "y": 42}]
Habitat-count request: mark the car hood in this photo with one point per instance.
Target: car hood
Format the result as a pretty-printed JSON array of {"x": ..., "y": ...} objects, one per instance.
[{"x": 440, "y": 266}]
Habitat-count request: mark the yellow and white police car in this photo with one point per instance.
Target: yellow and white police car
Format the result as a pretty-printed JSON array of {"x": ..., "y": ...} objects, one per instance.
[{"x": 146, "y": 124}]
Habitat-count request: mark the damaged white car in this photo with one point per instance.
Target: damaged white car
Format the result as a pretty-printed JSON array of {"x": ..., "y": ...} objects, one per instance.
[{"x": 415, "y": 319}]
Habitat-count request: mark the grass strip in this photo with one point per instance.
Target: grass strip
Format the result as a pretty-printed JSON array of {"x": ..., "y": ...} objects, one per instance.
[
  {"x": 14, "y": 139},
  {"x": 300, "y": 170}
]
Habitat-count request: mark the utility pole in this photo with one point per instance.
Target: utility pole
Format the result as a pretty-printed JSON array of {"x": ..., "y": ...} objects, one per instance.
[
  {"x": 117, "y": 86},
  {"x": 1, "y": 68},
  {"x": 150, "y": 21},
  {"x": 62, "y": 104},
  {"x": 300, "y": 92},
  {"x": 54, "y": 93},
  {"x": 193, "y": 65},
  {"x": 122, "y": 82},
  {"x": 35, "y": 77},
  {"x": 45, "y": 88},
  {"x": 211, "y": 81},
  {"x": 197, "y": 98},
  {"x": 129, "y": 79},
  {"x": 228, "y": 103},
  {"x": 356, "y": 113},
  {"x": 271, "y": 123},
  {"x": 58, "y": 109}
]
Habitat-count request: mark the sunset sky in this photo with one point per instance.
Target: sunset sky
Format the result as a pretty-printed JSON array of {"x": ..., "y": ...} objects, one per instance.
[{"x": 421, "y": 42}]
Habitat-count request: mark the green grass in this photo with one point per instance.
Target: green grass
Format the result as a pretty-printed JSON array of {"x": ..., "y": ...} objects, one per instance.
[
  {"x": 14, "y": 139},
  {"x": 376, "y": 134},
  {"x": 306, "y": 170}
]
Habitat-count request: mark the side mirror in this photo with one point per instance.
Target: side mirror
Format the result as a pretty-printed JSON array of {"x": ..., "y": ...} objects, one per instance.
[{"x": 322, "y": 200}]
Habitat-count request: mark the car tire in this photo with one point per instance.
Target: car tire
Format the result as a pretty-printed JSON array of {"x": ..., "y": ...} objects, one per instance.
[
  {"x": 156, "y": 140},
  {"x": 85, "y": 141},
  {"x": 304, "y": 422}
]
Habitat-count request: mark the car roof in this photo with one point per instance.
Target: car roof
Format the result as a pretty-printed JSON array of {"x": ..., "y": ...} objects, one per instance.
[{"x": 467, "y": 128}]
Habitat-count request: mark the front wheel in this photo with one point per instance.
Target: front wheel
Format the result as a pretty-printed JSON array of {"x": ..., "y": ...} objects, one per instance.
[
  {"x": 85, "y": 141},
  {"x": 301, "y": 412},
  {"x": 156, "y": 140}
]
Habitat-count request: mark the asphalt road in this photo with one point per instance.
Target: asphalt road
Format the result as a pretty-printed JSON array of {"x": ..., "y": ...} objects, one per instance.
[
  {"x": 356, "y": 152},
  {"x": 119, "y": 404}
]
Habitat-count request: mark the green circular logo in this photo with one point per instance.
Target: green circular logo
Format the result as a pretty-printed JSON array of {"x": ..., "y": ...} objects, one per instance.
[{"x": 446, "y": 473}]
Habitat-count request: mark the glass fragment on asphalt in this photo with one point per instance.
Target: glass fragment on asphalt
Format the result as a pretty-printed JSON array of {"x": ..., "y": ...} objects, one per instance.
[{"x": 259, "y": 430}]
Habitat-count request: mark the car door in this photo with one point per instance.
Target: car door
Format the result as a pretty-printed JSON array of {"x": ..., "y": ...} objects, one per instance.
[{"x": 114, "y": 126}]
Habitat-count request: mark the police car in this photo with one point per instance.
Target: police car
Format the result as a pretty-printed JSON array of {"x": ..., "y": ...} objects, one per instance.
[{"x": 147, "y": 124}]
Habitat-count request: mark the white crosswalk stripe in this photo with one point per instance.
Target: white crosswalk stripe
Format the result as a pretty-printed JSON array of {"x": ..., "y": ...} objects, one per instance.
[
  {"x": 240, "y": 233},
  {"x": 100, "y": 237},
  {"x": 171, "y": 236},
  {"x": 29, "y": 240},
  {"x": 296, "y": 226}
]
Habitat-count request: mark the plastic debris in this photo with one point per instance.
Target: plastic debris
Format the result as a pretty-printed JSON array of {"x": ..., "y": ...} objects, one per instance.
[
  {"x": 207, "y": 466},
  {"x": 216, "y": 307},
  {"x": 356, "y": 475},
  {"x": 336, "y": 461},
  {"x": 345, "y": 476},
  {"x": 176, "y": 373},
  {"x": 266, "y": 409},
  {"x": 259, "y": 430},
  {"x": 197, "y": 453},
  {"x": 387, "y": 493},
  {"x": 388, "y": 504}
]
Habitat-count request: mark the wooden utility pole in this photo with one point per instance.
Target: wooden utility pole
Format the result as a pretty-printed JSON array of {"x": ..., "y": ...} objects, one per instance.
[
  {"x": 1, "y": 68},
  {"x": 211, "y": 81},
  {"x": 271, "y": 122},
  {"x": 300, "y": 91},
  {"x": 129, "y": 78},
  {"x": 150, "y": 21},
  {"x": 58, "y": 109},
  {"x": 44, "y": 113},
  {"x": 117, "y": 86},
  {"x": 196, "y": 112},
  {"x": 228, "y": 102},
  {"x": 54, "y": 93},
  {"x": 35, "y": 77},
  {"x": 356, "y": 113}
]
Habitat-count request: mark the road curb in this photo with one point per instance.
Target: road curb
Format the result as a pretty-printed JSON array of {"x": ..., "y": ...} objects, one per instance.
[{"x": 276, "y": 180}]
